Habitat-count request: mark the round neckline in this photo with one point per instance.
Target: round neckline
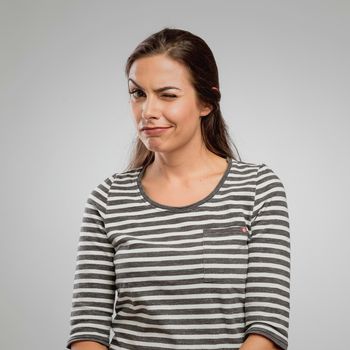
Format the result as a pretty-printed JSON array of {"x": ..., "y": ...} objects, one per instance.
[{"x": 185, "y": 207}]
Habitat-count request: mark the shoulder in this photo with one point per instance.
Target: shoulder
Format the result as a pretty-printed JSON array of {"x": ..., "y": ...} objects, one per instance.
[
  {"x": 102, "y": 189},
  {"x": 245, "y": 166},
  {"x": 115, "y": 178},
  {"x": 261, "y": 170},
  {"x": 251, "y": 170},
  {"x": 98, "y": 196},
  {"x": 261, "y": 176},
  {"x": 269, "y": 187}
]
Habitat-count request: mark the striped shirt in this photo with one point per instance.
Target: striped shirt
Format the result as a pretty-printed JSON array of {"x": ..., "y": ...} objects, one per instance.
[{"x": 201, "y": 276}]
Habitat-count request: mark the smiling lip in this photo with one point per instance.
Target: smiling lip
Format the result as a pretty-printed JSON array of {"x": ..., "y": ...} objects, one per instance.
[
  {"x": 155, "y": 131},
  {"x": 155, "y": 127}
]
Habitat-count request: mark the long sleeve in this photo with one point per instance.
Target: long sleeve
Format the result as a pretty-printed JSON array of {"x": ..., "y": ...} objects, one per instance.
[
  {"x": 94, "y": 279},
  {"x": 268, "y": 276}
]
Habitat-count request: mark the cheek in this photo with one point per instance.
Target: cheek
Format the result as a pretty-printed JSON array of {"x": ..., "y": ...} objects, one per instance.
[
  {"x": 180, "y": 113},
  {"x": 183, "y": 112},
  {"x": 136, "y": 109}
]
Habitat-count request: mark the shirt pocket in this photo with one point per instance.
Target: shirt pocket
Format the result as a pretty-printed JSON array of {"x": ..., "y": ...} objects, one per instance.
[{"x": 225, "y": 255}]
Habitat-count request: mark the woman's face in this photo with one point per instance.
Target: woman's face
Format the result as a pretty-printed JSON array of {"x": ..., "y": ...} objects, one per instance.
[{"x": 161, "y": 95}]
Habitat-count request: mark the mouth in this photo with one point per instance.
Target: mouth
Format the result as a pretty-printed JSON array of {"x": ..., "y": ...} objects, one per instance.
[
  {"x": 157, "y": 131},
  {"x": 156, "y": 128}
]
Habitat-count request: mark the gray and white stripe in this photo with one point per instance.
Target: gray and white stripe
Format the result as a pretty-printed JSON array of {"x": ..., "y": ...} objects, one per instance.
[{"x": 202, "y": 276}]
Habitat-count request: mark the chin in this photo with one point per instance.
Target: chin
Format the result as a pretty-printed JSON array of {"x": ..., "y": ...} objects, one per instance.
[{"x": 154, "y": 148}]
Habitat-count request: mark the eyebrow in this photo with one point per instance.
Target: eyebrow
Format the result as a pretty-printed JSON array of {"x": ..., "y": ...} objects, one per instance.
[{"x": 157, "y": 90}]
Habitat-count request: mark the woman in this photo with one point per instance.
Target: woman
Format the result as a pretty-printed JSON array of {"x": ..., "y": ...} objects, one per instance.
[{"x": 191, "y": 244}]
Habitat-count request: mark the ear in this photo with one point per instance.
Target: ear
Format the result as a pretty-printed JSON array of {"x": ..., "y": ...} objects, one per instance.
[{"x": 205, "y": 109}]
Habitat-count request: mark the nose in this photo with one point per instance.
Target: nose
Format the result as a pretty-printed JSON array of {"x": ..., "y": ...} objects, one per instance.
[{"x": 149, "y": 108}]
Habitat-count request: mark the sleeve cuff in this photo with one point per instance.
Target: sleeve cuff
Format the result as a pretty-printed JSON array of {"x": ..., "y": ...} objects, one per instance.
[
  {"x": 269, "y": 332},
  {"x": 87, "y": 337}
]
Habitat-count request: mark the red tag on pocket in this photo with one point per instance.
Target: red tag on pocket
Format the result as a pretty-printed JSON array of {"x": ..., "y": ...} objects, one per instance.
[{"x": 244, "y": 229}]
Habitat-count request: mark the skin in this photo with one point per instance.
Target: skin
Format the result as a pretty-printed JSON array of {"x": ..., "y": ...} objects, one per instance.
[
  {"x": 258, "y": 342},
  {"x": 182, "y": 161},
  {"x": 181, "y": 158},
  {"x": 87, "y": 345},
  {"x": 253, "y": 342}
]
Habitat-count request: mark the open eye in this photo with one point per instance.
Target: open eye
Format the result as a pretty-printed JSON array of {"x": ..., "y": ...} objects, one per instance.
[{"x": 135, "y": 91}]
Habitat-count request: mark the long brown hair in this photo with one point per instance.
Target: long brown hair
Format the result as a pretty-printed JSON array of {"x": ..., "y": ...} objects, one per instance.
[{"x": 193, "y": 52}]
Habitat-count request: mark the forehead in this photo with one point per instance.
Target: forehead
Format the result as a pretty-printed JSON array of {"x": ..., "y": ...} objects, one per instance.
[{"x": 159, "y": 70}]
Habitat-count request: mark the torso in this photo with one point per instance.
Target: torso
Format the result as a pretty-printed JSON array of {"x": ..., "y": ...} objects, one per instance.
[{"x": 178, "y": 195}]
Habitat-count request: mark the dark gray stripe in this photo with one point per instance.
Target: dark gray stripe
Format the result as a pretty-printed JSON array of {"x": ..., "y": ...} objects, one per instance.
[{"x": 186, "y": 277}]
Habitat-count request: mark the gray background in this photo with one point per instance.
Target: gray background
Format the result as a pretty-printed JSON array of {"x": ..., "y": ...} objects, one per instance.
[{"x": 66, "y": 125}]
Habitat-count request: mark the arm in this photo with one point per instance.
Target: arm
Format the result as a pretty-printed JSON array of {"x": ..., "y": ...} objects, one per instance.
[
  {"x": 88, "y": 345},
  {"x": 268, "y": 276},
  {"x": 258, "y": 342},
  {"x": 94, "y": 280}
]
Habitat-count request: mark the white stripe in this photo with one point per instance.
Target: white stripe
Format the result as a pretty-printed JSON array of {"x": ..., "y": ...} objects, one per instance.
[
  {"x": 136, "y": 230},
  {"x": 92, "y": 300},
  {"x": 146, "y": 335},
  {"x": 177, "y": 277},
  {"x": 94, "y": 271},
  {"x": 179, "y": 257},
  {"x": 179, "y": 306},
  {"x": 183, "y": 326},
  {"x": 178, "y": 297},
  {"x": 266, "y": 295},
  {"x": 268, "y": 275},
  {"x": 189, "y": 316},
  {"x": 266, "y": 304},
  {"x": 202, "y": 286},
  {"x": 271, "y": 329}
]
